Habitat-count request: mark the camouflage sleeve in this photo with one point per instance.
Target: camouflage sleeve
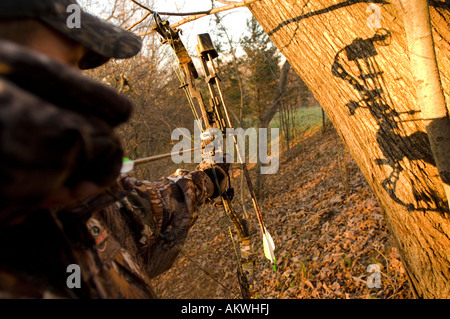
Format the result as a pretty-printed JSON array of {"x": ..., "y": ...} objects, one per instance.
[
  {"x": 174, "y": 203},
  {"x": 151, "y": 223}
]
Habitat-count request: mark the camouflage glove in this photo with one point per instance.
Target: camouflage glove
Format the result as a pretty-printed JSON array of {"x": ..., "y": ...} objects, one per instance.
[
  {"x": 44, "y": 149},
  {"x": 218, "y": 173},
  {"x": 56, "y": 130}
]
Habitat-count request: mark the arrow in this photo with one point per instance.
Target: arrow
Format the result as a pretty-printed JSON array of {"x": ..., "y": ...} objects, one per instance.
[
  {"x": 269, "y": 248},
  {"x": 128, "y": 165}
]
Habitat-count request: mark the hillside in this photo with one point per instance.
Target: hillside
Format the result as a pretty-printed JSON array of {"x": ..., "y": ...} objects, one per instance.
[{"x": 327, "y": 227}]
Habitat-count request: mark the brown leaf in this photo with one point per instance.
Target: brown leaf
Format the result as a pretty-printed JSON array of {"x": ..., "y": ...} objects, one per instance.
[{"x": 309, "y": 284}]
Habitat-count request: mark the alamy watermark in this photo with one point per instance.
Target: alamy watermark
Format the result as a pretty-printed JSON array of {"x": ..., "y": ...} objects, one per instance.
[
  {"x": 74, "y": 19},
  {"x": 374, "y": 20},
  {"x": 74, "y": 279},
  {"x": 374, "y": 279},
  {"x": 220, "y": 147}
]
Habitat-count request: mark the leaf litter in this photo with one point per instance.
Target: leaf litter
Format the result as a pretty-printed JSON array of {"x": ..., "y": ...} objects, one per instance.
[{"x": 326, "y": 224}]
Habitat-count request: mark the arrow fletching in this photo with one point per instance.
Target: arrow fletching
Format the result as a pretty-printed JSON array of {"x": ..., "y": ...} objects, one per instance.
[
  {"x": 269, "y": 248},
  {"x": 127, "y": 166}
]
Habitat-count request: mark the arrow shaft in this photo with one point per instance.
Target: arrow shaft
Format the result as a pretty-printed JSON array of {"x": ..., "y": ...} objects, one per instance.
[{"x": 161, "y": 156}]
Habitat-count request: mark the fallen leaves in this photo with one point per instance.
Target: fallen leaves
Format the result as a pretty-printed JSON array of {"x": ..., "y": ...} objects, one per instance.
[{"x": 326, "y": 233}]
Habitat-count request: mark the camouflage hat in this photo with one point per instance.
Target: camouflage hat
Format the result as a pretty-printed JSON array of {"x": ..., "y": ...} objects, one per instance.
[{"x": 104, "y": 40}]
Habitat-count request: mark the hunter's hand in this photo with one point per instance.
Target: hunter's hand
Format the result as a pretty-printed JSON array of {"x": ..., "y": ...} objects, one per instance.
[{"x": 218, "y": 173}]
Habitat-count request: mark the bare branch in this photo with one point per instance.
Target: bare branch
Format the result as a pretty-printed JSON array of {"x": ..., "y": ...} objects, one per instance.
[
  {"x": 197, "y": 15},
  {"x": 113, "y": 11},
  {"x": 226, "y": 1},
  {"x": 178, "y": 14},
  {"x": 143, "y": 18}
]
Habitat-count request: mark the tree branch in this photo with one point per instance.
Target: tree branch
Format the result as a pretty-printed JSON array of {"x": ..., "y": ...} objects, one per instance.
[
  {"x": 196, "y": 15},
  {"x": 226, "y": 1},
  {"x": 143, "y": 18},
  {"x": 177, "y": 14}
]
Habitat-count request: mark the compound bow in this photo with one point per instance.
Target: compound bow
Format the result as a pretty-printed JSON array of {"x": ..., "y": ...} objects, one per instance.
[{"x": 216, "y": 115}]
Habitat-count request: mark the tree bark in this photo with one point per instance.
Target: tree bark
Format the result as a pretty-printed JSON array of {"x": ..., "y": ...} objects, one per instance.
[
  {"x": 426, "y": 77},
  {"x": 362, "y": 77}
]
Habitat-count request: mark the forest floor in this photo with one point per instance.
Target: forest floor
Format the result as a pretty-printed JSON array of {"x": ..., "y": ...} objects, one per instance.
[{"x": 326, "y": 225}]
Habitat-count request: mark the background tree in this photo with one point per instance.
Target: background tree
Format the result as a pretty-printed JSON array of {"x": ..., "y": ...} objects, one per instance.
[
  {"x": 150, "y": 82},
  {"x": 263, "y": 71}
]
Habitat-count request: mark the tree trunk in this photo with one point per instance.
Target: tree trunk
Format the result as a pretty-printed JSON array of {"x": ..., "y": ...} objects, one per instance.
[
  {"x": 269, "y": 113},
  {"x": 362, "y": 77},
  {"x": 428, "y": 84},
  {"x": 266, "y": 117}
]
